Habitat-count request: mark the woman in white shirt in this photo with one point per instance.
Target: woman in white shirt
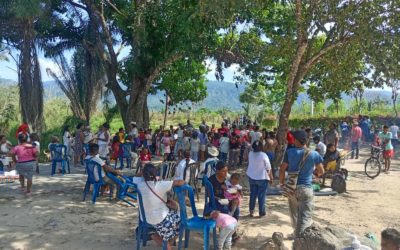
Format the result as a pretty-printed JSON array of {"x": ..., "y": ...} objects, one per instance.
[
  {"x": 67, "y": 139},
  {"x": 154, "y": 195},
  {"x": 259, "y": 174},
  {"x": 103, "y": 140}
]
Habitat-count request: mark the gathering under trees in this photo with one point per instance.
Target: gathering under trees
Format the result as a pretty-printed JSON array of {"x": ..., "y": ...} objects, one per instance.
[{"x": 133, "y": 49}]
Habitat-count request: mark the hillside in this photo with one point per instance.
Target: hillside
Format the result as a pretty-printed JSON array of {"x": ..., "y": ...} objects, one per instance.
[{"x": 220, "y": 95}]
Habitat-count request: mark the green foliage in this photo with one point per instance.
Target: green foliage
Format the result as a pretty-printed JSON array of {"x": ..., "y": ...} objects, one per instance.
[{"x": 8, "y": 108}]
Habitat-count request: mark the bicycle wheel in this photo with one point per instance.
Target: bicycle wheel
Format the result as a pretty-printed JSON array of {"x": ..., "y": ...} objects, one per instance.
[{"x": 372, "y": 167}]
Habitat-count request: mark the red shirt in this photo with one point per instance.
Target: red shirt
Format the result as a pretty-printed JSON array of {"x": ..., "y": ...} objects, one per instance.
[
  {"x": 223, "y": 131},
  {"x": 115, "y": 150},
  {"x": 356, "y": 134},
  {"x": 145, "y": 157},
  {"x": 290, "y": 138}
]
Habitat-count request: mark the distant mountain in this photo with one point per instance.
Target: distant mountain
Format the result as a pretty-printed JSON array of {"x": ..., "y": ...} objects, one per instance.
[{"x": 220, "y": 95}]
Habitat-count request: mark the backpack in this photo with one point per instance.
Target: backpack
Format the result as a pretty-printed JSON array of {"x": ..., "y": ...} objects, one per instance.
[{"x": 339, "y": 183}]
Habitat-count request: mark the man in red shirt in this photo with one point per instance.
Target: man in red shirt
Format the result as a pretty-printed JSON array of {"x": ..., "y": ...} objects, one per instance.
[{"x": 356, "y": 135}]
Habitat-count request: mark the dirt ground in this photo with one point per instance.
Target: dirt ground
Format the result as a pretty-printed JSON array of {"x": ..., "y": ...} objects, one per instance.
[{"x": 55, "y": 217}]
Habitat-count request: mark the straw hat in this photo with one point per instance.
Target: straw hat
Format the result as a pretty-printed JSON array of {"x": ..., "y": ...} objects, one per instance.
[{"x": 213, "y": 151}]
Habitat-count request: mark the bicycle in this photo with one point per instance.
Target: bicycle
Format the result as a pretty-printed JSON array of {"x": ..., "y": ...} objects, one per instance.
[{"x": 373, "y": 165}]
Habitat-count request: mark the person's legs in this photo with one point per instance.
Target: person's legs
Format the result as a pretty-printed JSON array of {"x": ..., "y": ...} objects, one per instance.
[
  {"x": 222, "y": 237},
  {"x": 230, "y": 161},
  {"x": 228, "y": 239},
  {"x": 305, "y": 196},
  {"x": 22, "y": 181},
  {"x": 262, "y": 191},
  {"x": 233, "y": 206},
  {"x": 353, "y": 148},
  {"x": 357, "y": 145},
  {"x": 293, "y": 212},
  {"x": 253, "y": 195},
  {"x": 28, "y": 185}
]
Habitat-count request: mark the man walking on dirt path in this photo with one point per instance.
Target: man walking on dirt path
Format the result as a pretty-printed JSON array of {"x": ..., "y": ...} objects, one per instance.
[{"x": 301, "y": 160}]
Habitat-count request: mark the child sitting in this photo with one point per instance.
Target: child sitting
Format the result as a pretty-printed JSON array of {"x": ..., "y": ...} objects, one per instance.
[
  {"x": 145, "y": 156},
  {"x": 115, "y": 147},
  {"x": 331, "y": 157},
  {"x": 227, "y": 225},
  {"x": 233, "y": 192}
]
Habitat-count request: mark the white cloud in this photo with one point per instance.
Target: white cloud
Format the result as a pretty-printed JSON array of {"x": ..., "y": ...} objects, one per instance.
[
  {"x": 45, "y": 64},
  {"x": 229, "y": 73}
]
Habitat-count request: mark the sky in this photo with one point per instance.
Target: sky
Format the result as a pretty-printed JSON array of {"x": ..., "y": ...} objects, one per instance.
[{"x": 8, "y": 69}]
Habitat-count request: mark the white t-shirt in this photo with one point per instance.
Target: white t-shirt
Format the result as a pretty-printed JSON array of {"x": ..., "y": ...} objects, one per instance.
[
  {"x": 322, "y": 148},
  {"x": 66, "y": 138},
  {"x": 394, "y": 129},
  {"x": 259, "y": 166},
  {"x": 37, "y": 145},
  {"x": 4, "y": 148},
  {"x": 155, "y": 209},
  {"x": 195, "y": 145},
  {"x": 180, "y": 168},
  {"x": 134, "y": 132},
  {"x": 224, "y": 145},
  {"x": 255, "y": 136},
  {"x": 100, "y": 162},
  {"x": 180, "y": 133}
]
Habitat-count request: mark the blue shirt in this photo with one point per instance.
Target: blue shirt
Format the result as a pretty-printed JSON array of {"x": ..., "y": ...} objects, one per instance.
[{"x": 293, "y": 158}]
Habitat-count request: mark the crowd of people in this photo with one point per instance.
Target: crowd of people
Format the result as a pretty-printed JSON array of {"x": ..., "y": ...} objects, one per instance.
[{"x": 233, "y": 145}]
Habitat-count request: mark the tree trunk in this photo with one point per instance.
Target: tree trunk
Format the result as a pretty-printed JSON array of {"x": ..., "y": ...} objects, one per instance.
[
  {"x": 166, "y": 108},
  {"x": 394, "y": 106},
  {"x": 30, "y": 83}
]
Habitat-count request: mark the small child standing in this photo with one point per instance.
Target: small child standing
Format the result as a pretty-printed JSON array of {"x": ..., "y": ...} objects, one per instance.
[
  {"x": 145, "y": 156},
  {"x": 115, "y": 147},
  {"x": 194, "y": 146},
  {"x": 227, "y": 225},
  {"x": 233, "y": 192}
]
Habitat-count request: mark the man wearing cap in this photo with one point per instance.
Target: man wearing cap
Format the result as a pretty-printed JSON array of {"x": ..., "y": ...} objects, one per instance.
[
  {"x": 212, "y": 157},
  {"x": 302, "y": 160}
]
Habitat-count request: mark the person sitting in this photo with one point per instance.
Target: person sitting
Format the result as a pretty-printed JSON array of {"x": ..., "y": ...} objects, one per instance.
[
  {"x": 331, "y": 157},
  {"x": 233, "y": 192},
  {"x": 213, "y": 157},
  {"x": 145, "y": 156},
  {"x": 180, "y": 168},
  {"x": 320, "y": 147},
  {"x": 94, "y": 156},
  {"x": 5, "y": 148},
  {"x": 154, "y": 194},
  {"x": 390, "y": 239}
]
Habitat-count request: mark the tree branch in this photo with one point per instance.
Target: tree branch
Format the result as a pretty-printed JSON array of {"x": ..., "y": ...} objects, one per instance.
[
  {"x": 115, "y": 8},
  {"x": 156, "y": 72},
  {"x": 77, "y": 5}
]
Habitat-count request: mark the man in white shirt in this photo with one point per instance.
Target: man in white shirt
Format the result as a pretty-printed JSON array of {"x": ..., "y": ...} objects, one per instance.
[
  {"x": 180, "y": 168},
  {"x": 320, "y": 147},
  {"x": 255, "y": 135},
  {"x": 394, "y": 129}
]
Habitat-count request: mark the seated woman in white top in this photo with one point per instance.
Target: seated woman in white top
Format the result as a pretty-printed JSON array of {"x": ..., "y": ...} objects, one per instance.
[{"x": 154, "y": 195}]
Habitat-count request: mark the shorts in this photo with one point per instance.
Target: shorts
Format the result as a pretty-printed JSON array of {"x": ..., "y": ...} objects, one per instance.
[
  {"x": 26, "y": 169},
  {"x": 169, "y": 227},
  {"x": 202, "y": 148},
  {"x": 388, "y": 153}
]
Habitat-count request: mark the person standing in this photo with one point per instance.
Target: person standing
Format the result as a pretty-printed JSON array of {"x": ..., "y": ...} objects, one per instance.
[
  {"x": 302, "y": 161},
  {"x": 356, "y": 135},
  {"x": 394, "y": 129},
  {"x": 25, "y": 156},
  {"x": 388, "y": 153},
  {"x": 78, "y": 143},
  {"x": 259, "y": 174},
  {"x": 320, "y": 147},
  {"x": 332, "y": 136},
  {"x": 67, "y": 140},
  {"x": 103, "y": 140}
]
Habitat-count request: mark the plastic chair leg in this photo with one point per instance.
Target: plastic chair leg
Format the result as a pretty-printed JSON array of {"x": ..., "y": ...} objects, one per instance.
[
  {"x": 138, "y": 237},
  {"x": 187, "y": 236},
  {"x": 215, "y": 238},
  {"x": 62, "y": 167},
  {"x": 69, "y": 169},
  {"x": 180, "y": 239},
  {"x": 206, "y": 238}
]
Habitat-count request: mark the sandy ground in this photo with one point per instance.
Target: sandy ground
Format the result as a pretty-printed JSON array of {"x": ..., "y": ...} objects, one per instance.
[{"x": 55, "y": 217}]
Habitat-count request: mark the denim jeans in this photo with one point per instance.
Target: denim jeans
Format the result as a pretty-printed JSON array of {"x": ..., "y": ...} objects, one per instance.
[
  {"x": 234, "y": 157},
  {"x": 258, "y": 189},
  {"x": 394, "y": 143},
  {"x": 223, "y": 156},
  {"x": 194, "y": 155},
  {"x": 355, "y": 149},
  {"x": 225, "y": 237},
  {"x": 301, "y": 209}
]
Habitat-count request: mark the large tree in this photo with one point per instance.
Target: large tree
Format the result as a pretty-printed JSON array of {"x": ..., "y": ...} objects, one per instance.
[
  {"x": 289, "y": 38},
  {"x": 18, "y": 29}
]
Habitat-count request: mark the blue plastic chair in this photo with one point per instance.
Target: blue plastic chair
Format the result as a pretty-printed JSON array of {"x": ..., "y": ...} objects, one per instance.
[
  {"x": 195, "y": 223},
  {"x": 210, "y": 168},
  {"x": 144, "y": 227},
  {"x": 209, "y": 198},
  {"x": 90, "y": 168},
  {"x": 123, "y": 188},
  {"x": 58, "y": 154},
  {"x": 167, "y": 170},
  {"x": 125, "y": 150}
]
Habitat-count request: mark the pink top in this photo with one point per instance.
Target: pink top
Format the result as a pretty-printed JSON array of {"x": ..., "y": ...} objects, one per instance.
[
  {"x": 224, "y": 220},
  {"x": 356, "y": 134},
  {"x": 24, "y": 153}
]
